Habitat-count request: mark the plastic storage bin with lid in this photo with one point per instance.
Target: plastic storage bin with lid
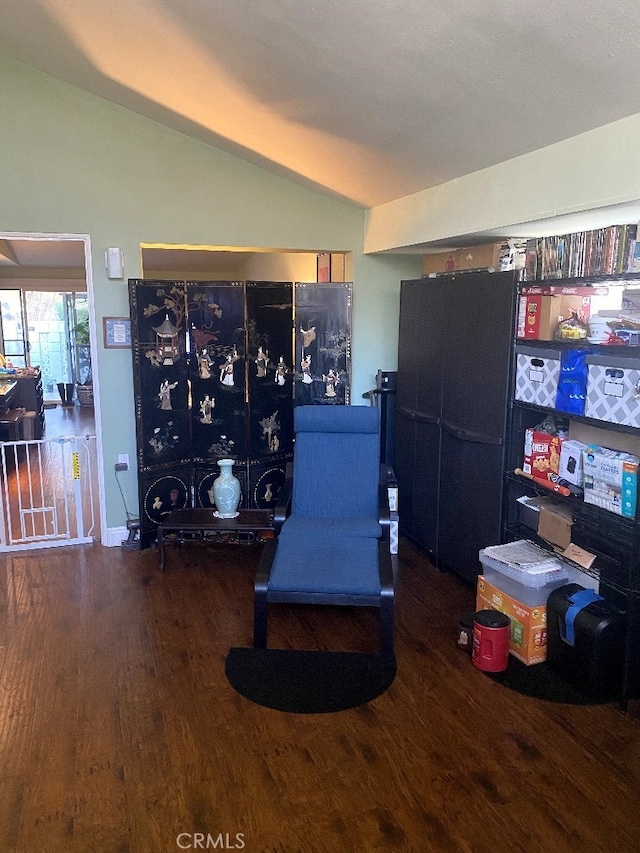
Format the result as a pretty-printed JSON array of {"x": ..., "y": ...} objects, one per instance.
[{"x": 524, "y": 562}]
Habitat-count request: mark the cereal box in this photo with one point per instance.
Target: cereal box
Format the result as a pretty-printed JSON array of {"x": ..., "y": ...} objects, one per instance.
[{"x": 541, "y": 453}]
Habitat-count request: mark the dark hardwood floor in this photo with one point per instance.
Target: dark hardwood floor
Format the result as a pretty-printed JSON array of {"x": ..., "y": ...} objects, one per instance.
[
  {"x": 74, "y": 420},
  {"x": 120, "y": 733}
]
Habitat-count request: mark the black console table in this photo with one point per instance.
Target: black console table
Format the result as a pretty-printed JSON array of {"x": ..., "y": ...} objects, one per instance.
[{"x": 201, "y": 525}]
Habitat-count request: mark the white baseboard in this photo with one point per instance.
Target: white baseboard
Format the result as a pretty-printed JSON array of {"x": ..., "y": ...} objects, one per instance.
[{"x": 115, "y": 536}]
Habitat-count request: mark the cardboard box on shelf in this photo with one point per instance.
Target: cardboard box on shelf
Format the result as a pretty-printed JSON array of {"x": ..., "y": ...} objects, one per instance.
[
  {"x": 555, "y": 523},
  {"x": 541, "y": 453},
  {"x": 474, "y": 257},
  {"x": 589, "y": 434},
  {"x": 548, "y": 517},
  {"x": 611, "y": 479},
  {"x": 527, "y": 610},
  {"x": 540, "y": 309}
]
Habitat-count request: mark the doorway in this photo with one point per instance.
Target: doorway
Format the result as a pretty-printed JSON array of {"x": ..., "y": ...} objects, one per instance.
[{"x": 48, "y": 320}]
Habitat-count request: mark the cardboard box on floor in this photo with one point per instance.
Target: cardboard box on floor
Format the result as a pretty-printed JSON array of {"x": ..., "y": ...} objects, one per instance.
[{"x": 528, "y": 640}]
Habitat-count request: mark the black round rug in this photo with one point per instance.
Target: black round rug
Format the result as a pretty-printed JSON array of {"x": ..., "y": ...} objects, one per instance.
[
  {"x": 540, "y": 681},
  {"x": 309, "y": 682}
]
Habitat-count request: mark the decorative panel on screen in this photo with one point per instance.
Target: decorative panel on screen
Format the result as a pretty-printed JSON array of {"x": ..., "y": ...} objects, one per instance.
[
  {"x": 322, "y": 343},
  {"x": 266, "y": 478},
  {"x": 217, "y": 370},
  {"x": 161, "y": 492},
  {"x": 269, "y": 368},
  {"x": 158, "y": 314}
]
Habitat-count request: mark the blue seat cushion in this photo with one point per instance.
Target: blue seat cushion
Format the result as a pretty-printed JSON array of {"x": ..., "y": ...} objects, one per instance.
[
  {"x": 312, "y": 564},
  {"x": 359, "y": 528}
]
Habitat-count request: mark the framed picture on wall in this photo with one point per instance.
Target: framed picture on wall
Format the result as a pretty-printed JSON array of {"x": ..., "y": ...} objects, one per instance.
[{"x": 116, "y": 332}]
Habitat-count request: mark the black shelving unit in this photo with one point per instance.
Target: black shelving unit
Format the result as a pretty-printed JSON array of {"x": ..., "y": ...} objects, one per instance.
[{"x": 614, "y": 539}]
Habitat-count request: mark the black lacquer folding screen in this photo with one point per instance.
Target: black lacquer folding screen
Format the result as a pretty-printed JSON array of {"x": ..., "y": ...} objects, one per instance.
[{"x": 218, "y": 368}]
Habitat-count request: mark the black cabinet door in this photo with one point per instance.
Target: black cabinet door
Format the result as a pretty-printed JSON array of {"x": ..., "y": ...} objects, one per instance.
[
  {"x": 475, "y": 391},
  {"x": 417, "y": 452},
  {"x": 421, "y": 335},
  {"x": 408, "y": 355},
  {"x": 478, "y": 353},
  {"x": 427, "y": 485},
  {"x": 470, "y": 502}
]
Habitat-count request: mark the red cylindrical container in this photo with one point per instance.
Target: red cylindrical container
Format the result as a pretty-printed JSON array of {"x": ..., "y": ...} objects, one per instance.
[{"x": 491, "y": 631}]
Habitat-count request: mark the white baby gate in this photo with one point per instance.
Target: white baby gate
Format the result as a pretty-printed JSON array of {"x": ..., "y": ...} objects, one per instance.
[{"x": 47, "y": 494}]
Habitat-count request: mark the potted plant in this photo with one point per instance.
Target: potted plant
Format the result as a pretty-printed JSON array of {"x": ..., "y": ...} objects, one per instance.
[{"x": 84, "y": 383}]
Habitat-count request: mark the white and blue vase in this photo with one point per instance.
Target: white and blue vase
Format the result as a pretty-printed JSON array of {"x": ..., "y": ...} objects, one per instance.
[{"x": 226, "y": 490}]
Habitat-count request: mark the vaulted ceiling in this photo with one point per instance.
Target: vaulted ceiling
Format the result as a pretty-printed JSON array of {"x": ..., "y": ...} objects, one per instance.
[{"x": 371, "y": 100}]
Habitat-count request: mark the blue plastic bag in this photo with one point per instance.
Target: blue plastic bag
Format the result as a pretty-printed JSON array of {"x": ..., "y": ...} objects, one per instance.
[{"x": 572, "y": 381}]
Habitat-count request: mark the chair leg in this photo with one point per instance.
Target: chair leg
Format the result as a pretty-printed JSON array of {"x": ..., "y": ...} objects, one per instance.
[
  {"x": 386, "y": 566},
  {"x": 260, "y": 620},
  {"x": 260, "y": 607},
  {"x": 386, "y": 623}
]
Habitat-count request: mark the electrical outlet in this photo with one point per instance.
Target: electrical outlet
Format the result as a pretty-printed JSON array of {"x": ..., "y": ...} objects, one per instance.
[{"x": 123, "y": 459}]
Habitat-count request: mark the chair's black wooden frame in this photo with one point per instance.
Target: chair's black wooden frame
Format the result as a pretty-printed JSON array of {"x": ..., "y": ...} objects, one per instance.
[{"x": 263, "y": 596}]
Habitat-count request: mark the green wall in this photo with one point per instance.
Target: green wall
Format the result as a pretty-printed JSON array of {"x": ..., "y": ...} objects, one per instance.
[{"x": 73, "y": 163}]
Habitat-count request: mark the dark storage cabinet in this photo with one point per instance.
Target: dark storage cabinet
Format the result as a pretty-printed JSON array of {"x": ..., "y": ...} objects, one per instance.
[{"x": 454, "y": 372}]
